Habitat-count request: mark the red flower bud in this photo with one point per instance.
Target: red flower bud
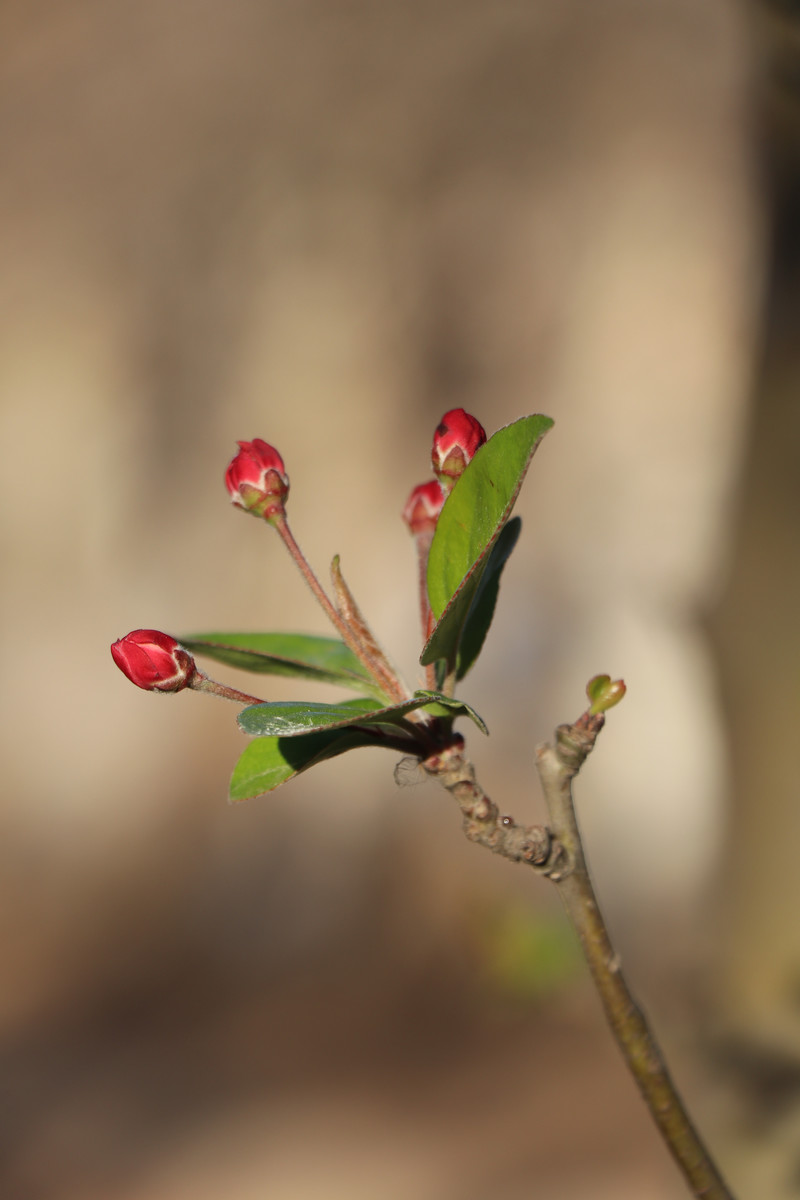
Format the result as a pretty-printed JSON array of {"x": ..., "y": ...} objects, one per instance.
[
  {"x": 154, "y": 661},
  {"x": 457, "y": 437},
  {"x": 256, "y": 479},
  {"x": 423, "y": 507}
]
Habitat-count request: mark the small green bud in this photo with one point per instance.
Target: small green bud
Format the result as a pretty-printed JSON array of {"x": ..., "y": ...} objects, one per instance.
[{"x": 604, "y": 693}]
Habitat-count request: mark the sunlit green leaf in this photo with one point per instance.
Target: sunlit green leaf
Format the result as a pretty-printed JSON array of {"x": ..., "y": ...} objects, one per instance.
[
  {"x": 290, "y": 718},
  {"x": 470, "y": 523}
]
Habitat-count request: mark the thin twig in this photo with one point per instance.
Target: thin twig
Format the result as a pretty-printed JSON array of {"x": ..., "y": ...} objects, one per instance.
[
  {"x": 557, "y": 765},
  {"x": 482, "y": 820},
  {"x": 558, "y": 853}
]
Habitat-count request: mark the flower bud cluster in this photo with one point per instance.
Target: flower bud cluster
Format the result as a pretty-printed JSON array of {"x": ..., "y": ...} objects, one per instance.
[
  {"x": 456, "y": 439},
  {"x": 257, "y": 482}
]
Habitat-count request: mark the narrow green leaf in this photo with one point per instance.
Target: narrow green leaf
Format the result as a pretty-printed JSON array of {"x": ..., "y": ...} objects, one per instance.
[
  {"x": 287, "y": 719},
  {"x": 322, "y": 659},
  {"x": 481, "y": 611},
  {"x": 470, "y": 523},
  {"x": 268, "y": 762}
]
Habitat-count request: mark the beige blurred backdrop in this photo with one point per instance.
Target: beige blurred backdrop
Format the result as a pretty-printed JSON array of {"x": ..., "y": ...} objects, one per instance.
[{"x": 324, "y": 224}]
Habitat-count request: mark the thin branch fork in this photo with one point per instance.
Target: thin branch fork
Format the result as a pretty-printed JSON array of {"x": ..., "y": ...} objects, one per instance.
[
  {"x": 557, "y": 852},
  {"x": 482, "y": 820}
]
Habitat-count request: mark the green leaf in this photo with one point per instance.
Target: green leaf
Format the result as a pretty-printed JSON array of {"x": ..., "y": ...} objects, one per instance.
[
  {"x": 447, "y": 706},
  {"x": 270, "y": 761},
  {"x": 322, "y": 659},
  {"x": 287, "y": 719},
  {"x": 481, "y": 611},
  {"x": 470, "y": 523}
]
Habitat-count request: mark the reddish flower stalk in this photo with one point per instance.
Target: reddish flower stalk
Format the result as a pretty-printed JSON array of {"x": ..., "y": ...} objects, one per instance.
[
  {"x": 256, "y": 480},
  {"x": 202, "y": 683},
  {"x": 386, "y": 679},
  {"x": 421, "y": 513}
]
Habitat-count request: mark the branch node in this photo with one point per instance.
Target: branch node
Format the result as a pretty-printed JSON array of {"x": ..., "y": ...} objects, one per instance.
[
  {"x": 560, "y": 865},
  {"x": 537, "y": 845},
  {"x": 575, "y": 742}
]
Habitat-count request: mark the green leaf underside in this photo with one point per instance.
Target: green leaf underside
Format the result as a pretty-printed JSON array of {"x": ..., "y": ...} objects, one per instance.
[
  {"x": 270, "y": 761},
  {"x": 448, "y": 706},
  {"x": 470, "y": 523},
  {"x": 481, "y": 611},
  {"x": 322, "y": 659},
  {"x": 288, "y": 719}
]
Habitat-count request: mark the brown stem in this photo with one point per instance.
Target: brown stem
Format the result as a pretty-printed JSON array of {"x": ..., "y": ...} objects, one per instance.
[
  {"x": 558, "y": 853},
  {"x": 482, "y": 820},
  {"x": 557, "y": 766}
]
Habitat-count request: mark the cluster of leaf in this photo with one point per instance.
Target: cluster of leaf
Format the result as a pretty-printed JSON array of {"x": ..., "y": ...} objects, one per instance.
[{"x": 473, "y": 540}]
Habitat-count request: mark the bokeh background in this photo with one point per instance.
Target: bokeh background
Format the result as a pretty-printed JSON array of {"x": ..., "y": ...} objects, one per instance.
[{"x": 324, "y": 223}]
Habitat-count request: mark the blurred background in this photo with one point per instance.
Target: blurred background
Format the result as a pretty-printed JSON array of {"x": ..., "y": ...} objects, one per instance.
[{"x": 324, "y": 223}]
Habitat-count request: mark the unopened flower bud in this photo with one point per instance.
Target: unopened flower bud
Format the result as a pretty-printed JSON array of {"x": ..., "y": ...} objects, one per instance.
[
  {"x": 604, "y": 693},
  {"x": 423, "y": 507},
  {"x": 154, "y": 661},
  {"x": 256, "y": 479},
  {"x": 457, "y": 437}
]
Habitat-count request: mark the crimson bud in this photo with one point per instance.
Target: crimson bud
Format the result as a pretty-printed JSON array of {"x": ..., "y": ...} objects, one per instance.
[
  {"x": 457, "y": 437},
  {"x": 154, "y": 661},
  {"x": 256, "y": 479},
  {"x": 423, "y": 507}
]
